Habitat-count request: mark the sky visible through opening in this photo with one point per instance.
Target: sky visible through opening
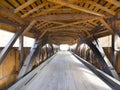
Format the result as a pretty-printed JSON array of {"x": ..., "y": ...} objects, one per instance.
[{"x": 5, "y": 37}]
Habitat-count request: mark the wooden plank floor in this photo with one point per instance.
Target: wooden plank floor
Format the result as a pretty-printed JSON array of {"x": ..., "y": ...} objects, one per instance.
[{"x": 65, "y": 72}]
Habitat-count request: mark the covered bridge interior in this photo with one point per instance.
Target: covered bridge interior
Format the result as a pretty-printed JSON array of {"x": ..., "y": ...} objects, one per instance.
[{"x": 52, "y": 23}]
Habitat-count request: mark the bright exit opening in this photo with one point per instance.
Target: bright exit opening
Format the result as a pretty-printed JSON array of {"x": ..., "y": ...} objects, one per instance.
[{"x": 64, "y": 47}]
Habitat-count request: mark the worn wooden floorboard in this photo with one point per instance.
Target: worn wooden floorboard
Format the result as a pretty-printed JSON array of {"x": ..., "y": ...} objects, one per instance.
[{"x": 65, "y": 72}]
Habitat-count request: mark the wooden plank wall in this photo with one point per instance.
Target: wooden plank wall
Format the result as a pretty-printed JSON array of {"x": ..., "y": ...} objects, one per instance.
[
  {"x": 118, "y": 69},
  {"x": 93, "y": 60},
  {"x": 108, "y": 52},
  {"x": 9, "y": 68}
]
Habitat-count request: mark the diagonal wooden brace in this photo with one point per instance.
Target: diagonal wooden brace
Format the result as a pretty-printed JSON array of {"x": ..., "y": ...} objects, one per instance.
[
  {"x": 98, "y": 51},
  {"x": 5, "y": 51}
]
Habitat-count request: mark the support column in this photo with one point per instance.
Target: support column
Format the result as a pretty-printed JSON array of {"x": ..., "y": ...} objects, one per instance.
[
  {"x": 7, "y": 48},
  {"x": 52, "y": 49},
  {"x": 114, "y": 52},
  {"x": 39, "y": 53},
  {"x": 27, "y": 66},
  {"x": 98, "y": 51},
  {"x": 21, "y": 51},
  {"x": 47, "y": 51}
]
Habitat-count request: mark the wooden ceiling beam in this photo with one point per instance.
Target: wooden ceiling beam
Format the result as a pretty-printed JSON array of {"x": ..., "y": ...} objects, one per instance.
[
  {"x": 7, "y": 27},
  {"x": 39, "y": 24},
  {"x": 66, "y": 41},
  {"x": 34, "y": 9},
  {"x": 4, "y": 12},
  {"x": 54, "y": 22},
  {"x": 93, "y": 23},
  {"x": 42, "y": 34},
  {"x": 65, "y": 10},
  {"x": 75, "y": 30},
  {"x": 100, "y": 34},
  {"x": 98, "y": 6},
  {"x": 107, "y": 25},
  {"x": 29, "y": 27},
  {"x": 115, "y": 2},
  {"x": 117, "y": 23},
  {"x": 47, "y": 11},
  {"x": 68, "y": 17},
  {"x": 5, "y": 21},
  {"x": 63, "y": 37},
  {"x": 87, "y": 24},
  {"x": 62, "y": 31},
  {"x": 73, "y": 23},
  {"x": 68, "y": 4},
  {"x": 71, "y": 28},
  {"x": 64, "y": 34},
  {"x": 24, "y": 5},
  {"x": 60, "y": 39},
  {"x": 43, "y": 26}
]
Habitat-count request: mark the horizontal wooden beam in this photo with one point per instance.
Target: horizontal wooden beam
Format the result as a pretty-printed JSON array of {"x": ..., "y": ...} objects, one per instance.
[
  {"x": 75, "y": 30},
  {"x": 68, "y": 17},
  {"x": 64, "y": 35},
  {"x": 47, "y": 11},
  {"x": 67, "y": 40},
  {"x": 8, "y": 27},
  {"x": 6, "y": 21},
  {"x": 61, "y": 39},
  {"x": 54, "y": 22},
  {"x": 73, "y": 23},
  {"x": 4, "y": 12},
  {"x": 71, "y": 28},
  {"x": 100, "y": 34},
  {"x": 68, "y": 4}
]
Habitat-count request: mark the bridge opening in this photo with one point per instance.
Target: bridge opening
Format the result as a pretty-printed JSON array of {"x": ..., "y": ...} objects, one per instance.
[{"x": 64, "y": 47}]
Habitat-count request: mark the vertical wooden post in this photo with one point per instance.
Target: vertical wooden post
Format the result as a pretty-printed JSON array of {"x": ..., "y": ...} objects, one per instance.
[
  {"x": 27, "y": 66},
  {"x": 21, "y": 51},
  {"x": 47, "y": 52},
  {"x": 98, "y": 51},
  {"x": 114, "y": 52},
  {"x": 52, "y": 49},
  {"x": 39, "y": 53}
]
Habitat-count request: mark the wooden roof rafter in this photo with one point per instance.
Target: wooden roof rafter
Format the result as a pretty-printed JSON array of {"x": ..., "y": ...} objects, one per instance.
[
  {"x": 99, "y": 6},
  {"x": 47, "y": 11},
  {"x": 115, "y": 2},
  {"x": 68, "y": 4},
  {"x": 39, "y": 23},
  {"x": 73, "y": 23},
  {"x": 34, "y": 9},
  {"x": 24, "y": 5},
  {"x": 107, "y": 25},
  {"x": 63, "y": 17}
]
